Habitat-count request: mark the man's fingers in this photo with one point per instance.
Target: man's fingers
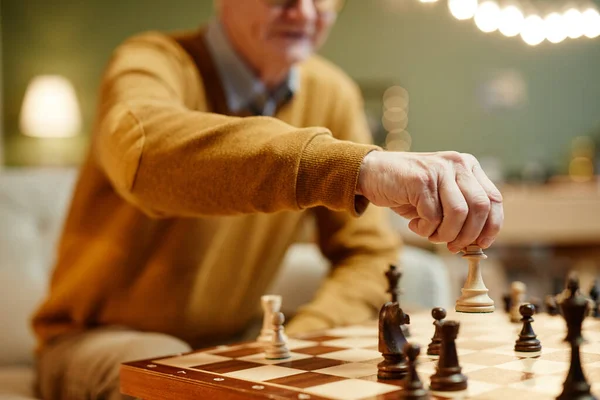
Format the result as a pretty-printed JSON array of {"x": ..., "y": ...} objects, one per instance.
[
  {"x": 430, "y": 213},
  {"x": 485, "y": 182},
  {"x": 455, "y": 210},
  {"x": 407, "y": 211},
  {"x": 479, "y": 208},
  {"x": 492, "y": 226}
]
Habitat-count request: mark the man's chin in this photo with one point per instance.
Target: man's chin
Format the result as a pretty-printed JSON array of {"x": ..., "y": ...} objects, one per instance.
[{"x": 298, "y": 53}]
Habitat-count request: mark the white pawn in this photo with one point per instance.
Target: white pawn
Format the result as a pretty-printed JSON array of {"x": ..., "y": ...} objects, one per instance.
[
  {"x": 474, "y": 298},
  {"x": 271, "y": 303},
  {"x": 517, "y": 295},
  {"x": 277, "y": 349}
]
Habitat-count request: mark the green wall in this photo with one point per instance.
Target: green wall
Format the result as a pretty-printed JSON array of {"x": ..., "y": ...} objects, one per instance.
[{"x": 441, "y": 61}]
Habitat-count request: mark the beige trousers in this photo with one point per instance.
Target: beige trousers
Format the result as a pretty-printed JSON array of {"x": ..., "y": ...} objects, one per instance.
[{"x": 86, "y": 366}]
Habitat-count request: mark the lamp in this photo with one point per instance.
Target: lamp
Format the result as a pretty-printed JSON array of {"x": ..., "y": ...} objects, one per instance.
[{"x": 50, "y": 108}]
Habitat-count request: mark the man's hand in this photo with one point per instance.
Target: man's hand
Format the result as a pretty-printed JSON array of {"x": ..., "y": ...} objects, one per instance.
[{"x": 446, "y": 195}]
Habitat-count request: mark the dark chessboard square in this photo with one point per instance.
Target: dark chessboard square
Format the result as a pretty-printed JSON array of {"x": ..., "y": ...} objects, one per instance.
[
  {"x": 238, "y": 353},
  {"x": 318, "y": 350},
  {"x": 311, "y": 364},
  {"x": 224, "y": 367},
  {"x": 306, "y": 379}
]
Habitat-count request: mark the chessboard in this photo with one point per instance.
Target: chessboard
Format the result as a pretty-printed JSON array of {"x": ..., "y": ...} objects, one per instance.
[{"x": 342, "y": 363}]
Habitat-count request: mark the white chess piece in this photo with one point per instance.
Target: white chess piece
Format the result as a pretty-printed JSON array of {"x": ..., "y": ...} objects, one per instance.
[
  {"x": 271, "y": 303},
  {"x": 517, "y": 298},
  {"x": 474, "y": 298},
  {"x": 277, "y": 349}
]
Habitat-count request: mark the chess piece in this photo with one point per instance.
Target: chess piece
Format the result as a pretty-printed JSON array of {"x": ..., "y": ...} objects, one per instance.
[
  {"x": 393, "y": 275},
  {"x": 527, "y": 341},
  {"x": 574, "y": 307},
  {"x": 517, "y": 293},
  {"x": 536, "y": 302},
  {"x": 551, "y": 306},
  {"x": 474, "y": 298},
  {"x": 438, "y": 315},
  {"x": 594, "y": 296},
  {"x": 412, "y": 386},
  {"x": 506, "y": 299},
  {"x": 277, "y": 349},
  {"x": 270, "y": 304},
  {"x": 391, "y": 342},
  {"x": 448, "y": 376}
]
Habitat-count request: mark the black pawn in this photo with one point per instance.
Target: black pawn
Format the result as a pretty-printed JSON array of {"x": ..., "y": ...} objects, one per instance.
[
  {"x": 412, "y": 386},
  {"x": 448, "y": 376},
  {"x": 594, "y": 295},
  {"x": 574, "y": 309},
  {"x": 438, "y": 315},
  {"x": 551, "y": 306},
  {"x": 527, "y": 340},
  {"x": 507, "y": 300}
]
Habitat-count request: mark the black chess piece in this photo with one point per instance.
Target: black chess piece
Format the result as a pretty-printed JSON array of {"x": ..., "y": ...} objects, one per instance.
[
  {"x": 594, "y": 295},
  {"x": 393, "y": 275},
  {"x": 412, "y": 386},
  {"x": 551, "y": 306},
  {"x": 438, "y": 315},
  {"x": 536, "y": 302},
  {"x": 391, "y": 342},
  {"x": 507, "y": 300},
  {"x": 527, "y": 341},
  {"x": 448, "y": 376},
  {"x": 574, "y": 309}
]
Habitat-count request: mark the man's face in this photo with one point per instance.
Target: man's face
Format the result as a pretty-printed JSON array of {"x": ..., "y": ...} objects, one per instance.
[{"x": 279, "y": 32}]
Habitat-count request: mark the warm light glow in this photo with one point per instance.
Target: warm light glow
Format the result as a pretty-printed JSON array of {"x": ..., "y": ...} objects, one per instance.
[
  {"x": 487, "y": 16},
  {"x": 428, "y": 1},
  {"x": 591, "y": 23},
  {"x": 573, "y": 21},
  {"x": 50, "y": 108},
  {"x": 533, "y": 30},
  {"x": 511, "y": 21},
  {"x": 555, "y": 29},
  {"x": 462, "y": 9}
]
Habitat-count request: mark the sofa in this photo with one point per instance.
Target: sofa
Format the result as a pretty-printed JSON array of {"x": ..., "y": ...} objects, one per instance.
[{"x": 33, "y": 203}]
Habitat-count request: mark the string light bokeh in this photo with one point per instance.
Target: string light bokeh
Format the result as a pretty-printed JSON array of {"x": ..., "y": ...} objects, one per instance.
[
  {"x": 533, "y": 21},
  {"x": 395, "y": 119}
]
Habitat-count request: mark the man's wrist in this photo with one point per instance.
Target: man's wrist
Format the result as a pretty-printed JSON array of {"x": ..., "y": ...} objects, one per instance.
[{"x": 365, "y": 167}]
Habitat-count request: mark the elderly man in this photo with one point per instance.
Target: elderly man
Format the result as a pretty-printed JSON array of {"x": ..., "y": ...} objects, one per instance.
[{"x": 210, "y": 149}]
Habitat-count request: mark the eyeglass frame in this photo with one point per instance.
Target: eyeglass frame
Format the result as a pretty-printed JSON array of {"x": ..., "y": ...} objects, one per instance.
[{"x": 287, "y": 3}]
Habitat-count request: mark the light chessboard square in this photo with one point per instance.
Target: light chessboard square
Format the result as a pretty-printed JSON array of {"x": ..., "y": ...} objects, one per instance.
[
  {"x": 351, "y": 389},
  {"x": 264, "y": 373}
]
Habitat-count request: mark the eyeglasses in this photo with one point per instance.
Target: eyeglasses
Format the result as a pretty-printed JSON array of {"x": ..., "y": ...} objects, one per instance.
[{"x": 320, "y": 5}]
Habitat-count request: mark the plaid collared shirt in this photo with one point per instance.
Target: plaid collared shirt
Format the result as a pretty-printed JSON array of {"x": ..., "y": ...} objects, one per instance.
[{"x": 243, "y": 90}]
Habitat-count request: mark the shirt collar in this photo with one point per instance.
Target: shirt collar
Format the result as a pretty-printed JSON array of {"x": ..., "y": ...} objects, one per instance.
[{"x": 243, "y": 90}]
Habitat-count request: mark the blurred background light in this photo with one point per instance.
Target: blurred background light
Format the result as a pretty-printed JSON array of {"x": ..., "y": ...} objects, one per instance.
[
  {"x": 591, "y": 22},
  {"x": 533, "y": 30},
  {"x": 487, "y": 16},
  {"x": 573, "y": 20},
  {"x": 462, "y": 9},
  {"x": 554, "y": 28},
  {"x": 511, "y": 21}
]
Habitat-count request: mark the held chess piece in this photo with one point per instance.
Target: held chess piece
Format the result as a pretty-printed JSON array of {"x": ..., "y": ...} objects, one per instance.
[
  {"x": 438, "y": 315},
  {"x": 527, "y": 340},
  {"x": 391, "y": 342},
  {"x": 474, "y": 298},
  {"x": 270, "y": 304},
  {"x": 277, "y": 348},
  {"x": 574, "y": 307},
  {"x": 517, "y": 293},
  {"x": 393, "y": 275},
  {"x": 448, "y": 376},
  {"x": 412, "y": 386}
]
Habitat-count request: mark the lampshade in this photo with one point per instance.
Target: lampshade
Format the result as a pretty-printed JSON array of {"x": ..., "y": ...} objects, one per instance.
[{"x": 50, "y": 108}]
